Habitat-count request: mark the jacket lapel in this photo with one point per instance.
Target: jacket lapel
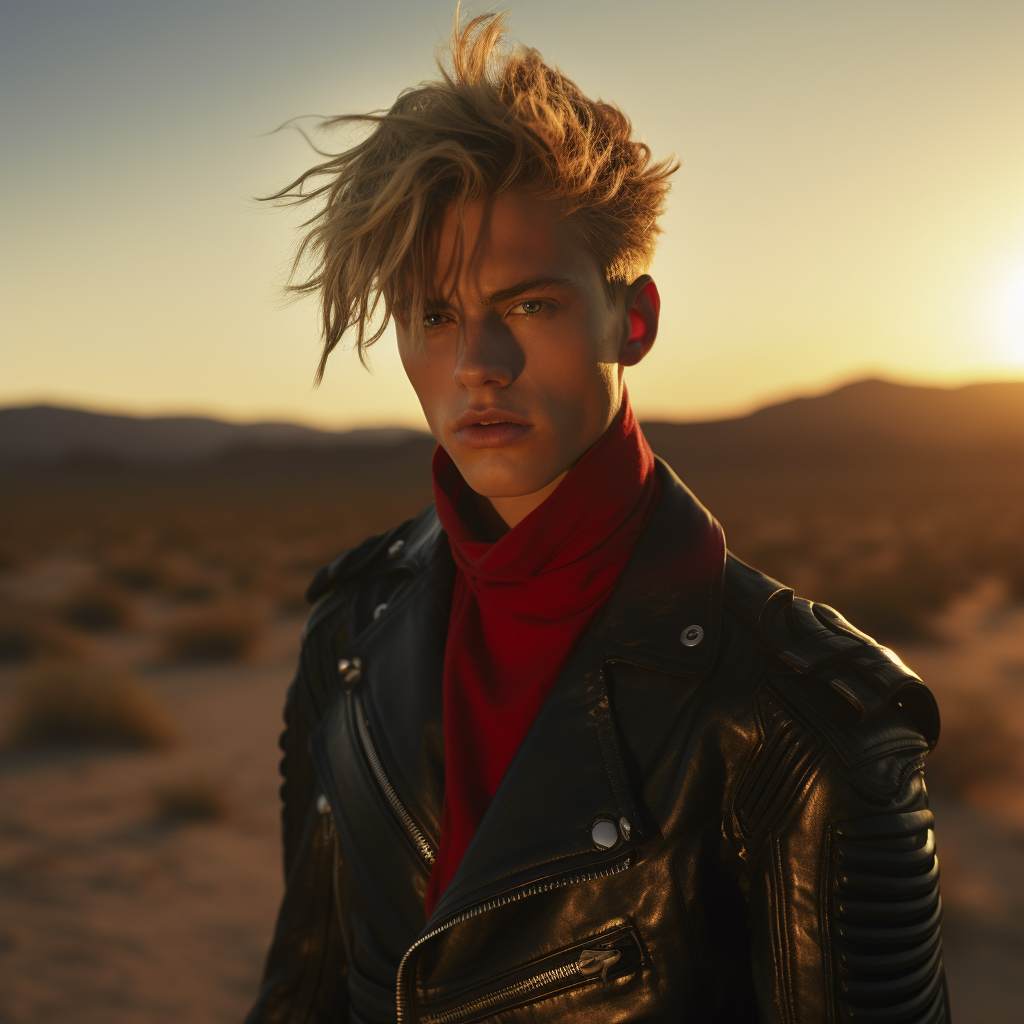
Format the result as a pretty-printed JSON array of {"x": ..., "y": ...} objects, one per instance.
[
  {"x": 401, "y": 656},
  {"x": 666, "y": 610},
  {"x": 568, "y": 774}
]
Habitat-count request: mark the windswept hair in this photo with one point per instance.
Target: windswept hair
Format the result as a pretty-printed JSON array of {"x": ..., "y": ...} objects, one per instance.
[{"x": 494, "y": 121}]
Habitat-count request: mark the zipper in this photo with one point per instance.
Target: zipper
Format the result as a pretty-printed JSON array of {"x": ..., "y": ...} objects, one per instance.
[
  {"x": 423, "y": 845},
  {"x": 492, "y": 904},
  {"x": 592, "y": 962},
  {"x": 337, "y": 881}
]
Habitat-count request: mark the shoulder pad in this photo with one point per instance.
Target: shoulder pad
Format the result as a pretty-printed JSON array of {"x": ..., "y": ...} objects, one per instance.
[
  {"x": 352, "y": 561},
  {"x": 815, "y": 640}
]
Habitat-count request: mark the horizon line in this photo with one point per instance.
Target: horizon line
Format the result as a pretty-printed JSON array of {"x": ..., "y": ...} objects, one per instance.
[{"x": 739, "y": 412}]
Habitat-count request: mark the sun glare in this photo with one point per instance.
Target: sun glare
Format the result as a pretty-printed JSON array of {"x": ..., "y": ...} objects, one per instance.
[{"x": 1009, "y": 314}]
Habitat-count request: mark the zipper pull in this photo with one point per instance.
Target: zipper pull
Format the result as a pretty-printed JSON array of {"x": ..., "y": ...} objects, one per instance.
[
  {"x": 594, "y": 961},
  {"x": 326, "y": 818}
]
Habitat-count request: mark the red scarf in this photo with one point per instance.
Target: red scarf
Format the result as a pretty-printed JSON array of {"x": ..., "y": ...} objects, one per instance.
[{"x": 519, "y": 606}]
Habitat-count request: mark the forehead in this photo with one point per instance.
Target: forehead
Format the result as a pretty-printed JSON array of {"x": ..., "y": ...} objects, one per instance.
[{"x": 510, "y": 237}]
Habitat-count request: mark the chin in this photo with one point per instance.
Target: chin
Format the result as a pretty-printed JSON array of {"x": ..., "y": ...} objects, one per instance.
[{"x": 501, "y": 478}]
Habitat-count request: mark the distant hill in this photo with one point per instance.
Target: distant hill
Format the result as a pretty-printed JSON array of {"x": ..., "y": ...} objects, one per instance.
[
  {"x": 872, "y": 423},
  {"x": 869, "y": 423},
  {"x": 45, "y": 433}
]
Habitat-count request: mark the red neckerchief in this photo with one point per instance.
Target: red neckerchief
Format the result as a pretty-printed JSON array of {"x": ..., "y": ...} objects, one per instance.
[{"x": 519, "y": 606}]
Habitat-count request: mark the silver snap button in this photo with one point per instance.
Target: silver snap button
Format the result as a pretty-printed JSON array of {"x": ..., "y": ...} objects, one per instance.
[
  {"x": 625, "y": 828},
  {"x": 323, "y": 805},
  {"x": 395, "y": 548},
  {"x": 604, "y": 833},
  {"x": 691, "y": 636},
  {"x": 379, "y": 610}
]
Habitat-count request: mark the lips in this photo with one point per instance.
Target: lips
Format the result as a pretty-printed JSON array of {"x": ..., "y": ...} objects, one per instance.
[{"x": 490, "y": 428}]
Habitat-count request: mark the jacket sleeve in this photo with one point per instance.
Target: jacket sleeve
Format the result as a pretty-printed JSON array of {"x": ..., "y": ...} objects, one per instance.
[
  {"x": 841, "y": 872},
  {"x": 304, "y": 977}
]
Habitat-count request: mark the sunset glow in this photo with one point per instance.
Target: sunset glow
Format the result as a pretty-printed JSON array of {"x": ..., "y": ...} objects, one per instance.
[
  {"x": 845, "y": 208},
  {"x": 1009, "y": 314}
]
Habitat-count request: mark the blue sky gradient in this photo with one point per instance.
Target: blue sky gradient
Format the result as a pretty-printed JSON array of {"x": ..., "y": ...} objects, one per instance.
[{"x": 851, "y": 199}]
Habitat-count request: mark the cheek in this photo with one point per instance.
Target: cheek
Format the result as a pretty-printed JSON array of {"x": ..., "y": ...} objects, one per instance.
[
  {"x": 578, "y": 376},
  {"x": 426, "y": 378}
]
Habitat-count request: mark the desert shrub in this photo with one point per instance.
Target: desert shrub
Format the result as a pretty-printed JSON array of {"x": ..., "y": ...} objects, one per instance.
[
  {"x": 11, "y": 557},
  {"x": 975, "y": 747},
  {"x": 191, "y": 591},
  {"x": 223, "y": 632},
  {"x": 286, "y": 591},
  {"x": 138, "y": 575},
  {"x": 195, "y": 798},
  {"x": 90, "y": 705},
  {"x": 27, "y": 633},
  {"x": 292, "y": 600},
  {"x": 1013, "y": 573},
  {"x": 98, "y": 608}
]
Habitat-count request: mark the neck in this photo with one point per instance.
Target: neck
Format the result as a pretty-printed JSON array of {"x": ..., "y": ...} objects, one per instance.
[{"x": 499, "y": 515}]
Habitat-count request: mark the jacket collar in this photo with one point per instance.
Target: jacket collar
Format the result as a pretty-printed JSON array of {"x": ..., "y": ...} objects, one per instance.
[
  {"x": 666, "y": 610},
  {"x": 569, "y": 771},
  {"x": 672, "y": 581}
]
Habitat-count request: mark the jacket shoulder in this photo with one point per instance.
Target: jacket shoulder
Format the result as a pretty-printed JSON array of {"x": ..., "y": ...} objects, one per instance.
[
  {"x": 838, "y": 675},
  {"x": 349, "y": 563},
  {"x": 407, "y": 544}
]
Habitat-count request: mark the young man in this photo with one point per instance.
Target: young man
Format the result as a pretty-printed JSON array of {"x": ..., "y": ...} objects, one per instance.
[{"x": 552, "y": 754}]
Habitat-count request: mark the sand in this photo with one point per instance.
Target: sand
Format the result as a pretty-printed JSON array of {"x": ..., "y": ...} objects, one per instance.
[{"x": 110, "y": 914}]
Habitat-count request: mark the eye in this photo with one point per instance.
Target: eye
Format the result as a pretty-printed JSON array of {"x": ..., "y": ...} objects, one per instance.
[
  {"x": 434, "y": 319},
  {"x": 530, "y": 307}
]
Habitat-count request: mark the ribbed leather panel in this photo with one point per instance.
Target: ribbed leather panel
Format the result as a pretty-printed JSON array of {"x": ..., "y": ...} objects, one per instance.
[{"x": 888, "y": 955}]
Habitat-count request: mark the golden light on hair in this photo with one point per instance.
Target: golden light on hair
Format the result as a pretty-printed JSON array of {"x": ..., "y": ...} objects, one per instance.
[{"x": 494, "y": 121}]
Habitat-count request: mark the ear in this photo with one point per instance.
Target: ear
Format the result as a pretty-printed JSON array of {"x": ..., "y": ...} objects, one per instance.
[{"x": 642, "y": 306}]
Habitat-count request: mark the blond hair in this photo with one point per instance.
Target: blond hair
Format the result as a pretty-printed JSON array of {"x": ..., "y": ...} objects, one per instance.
[{"x": 492, "y": 122}]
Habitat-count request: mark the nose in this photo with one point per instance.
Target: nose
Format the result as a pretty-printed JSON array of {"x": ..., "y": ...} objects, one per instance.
[{"x": 488, "y": 355}]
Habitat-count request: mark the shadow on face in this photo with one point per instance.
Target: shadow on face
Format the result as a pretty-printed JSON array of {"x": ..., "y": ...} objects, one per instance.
[{"x": 520, "y": 369}]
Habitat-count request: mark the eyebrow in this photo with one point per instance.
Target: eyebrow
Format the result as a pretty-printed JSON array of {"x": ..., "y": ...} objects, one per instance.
[
  {"x": 529, "y": 285},
  {"x": 504, "y": 294}
]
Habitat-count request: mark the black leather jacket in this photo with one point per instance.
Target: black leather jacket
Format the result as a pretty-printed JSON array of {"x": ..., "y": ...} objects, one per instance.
[{"x": 719, "y": 814}]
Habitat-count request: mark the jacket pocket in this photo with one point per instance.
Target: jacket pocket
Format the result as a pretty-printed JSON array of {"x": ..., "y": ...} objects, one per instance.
[{"x": 604, "y": 962}]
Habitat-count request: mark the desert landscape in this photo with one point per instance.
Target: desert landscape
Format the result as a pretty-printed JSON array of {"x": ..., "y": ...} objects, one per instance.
[{"x": 151, "y": 582}]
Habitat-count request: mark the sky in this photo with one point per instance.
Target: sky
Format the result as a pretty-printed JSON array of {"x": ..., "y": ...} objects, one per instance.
[{"x": 850, "y": 201}]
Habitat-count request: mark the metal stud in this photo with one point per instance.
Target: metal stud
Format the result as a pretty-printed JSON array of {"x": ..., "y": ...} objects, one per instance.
[
  {"x": 395, "y": 548},
  {"x": 379, "y": 610},
  {"x": 350, "y": 669},
  {"x": 691, "y": 636},
  {"x": 604, "y": 833},
  {"x": 625, "y": 828}
]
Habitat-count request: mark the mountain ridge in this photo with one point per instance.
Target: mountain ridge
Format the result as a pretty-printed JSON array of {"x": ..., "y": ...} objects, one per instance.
[{"x": 864, "y": 420}]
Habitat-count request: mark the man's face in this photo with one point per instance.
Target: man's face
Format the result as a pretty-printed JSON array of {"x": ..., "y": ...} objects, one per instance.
[{"x": 519, "y": 372}]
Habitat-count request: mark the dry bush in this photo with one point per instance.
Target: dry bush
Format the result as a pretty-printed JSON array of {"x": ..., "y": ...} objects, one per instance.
[
  {"x": 140, "y": 575},
  {"x": 89, "y": 705},
  {"x": 975, "y": 747},
  {"x": 12, "y": 557},
  {"x": 1014, "y": 575},
  {"x": 225, "y": 632},
  {"x": 195, "y": 798},
  {"x": 286, "y": 591},
  {"x": 191, "y": 591},
  {"x": 98, "y": 608},
  {"x": 292, "y": 600},
  {"x": 27, "y": 633}
]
